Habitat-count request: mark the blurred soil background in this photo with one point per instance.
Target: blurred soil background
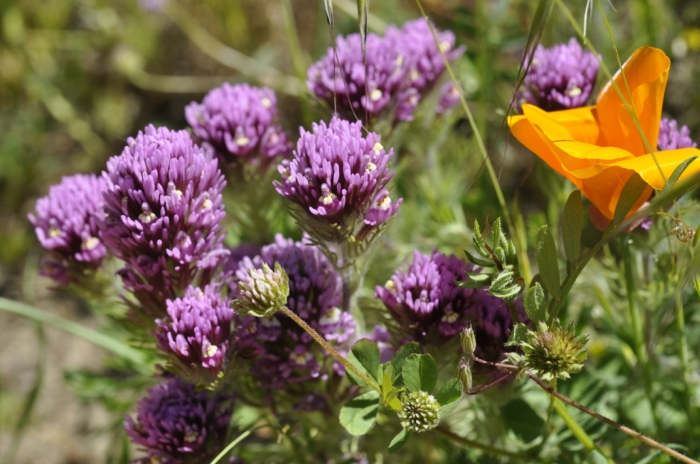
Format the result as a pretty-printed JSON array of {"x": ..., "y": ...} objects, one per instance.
[{"x": 79, "y": 76}]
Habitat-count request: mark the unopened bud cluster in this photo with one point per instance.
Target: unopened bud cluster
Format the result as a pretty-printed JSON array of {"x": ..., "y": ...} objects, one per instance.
[
  {"x": 420, "y": 412},
  {"x": 263, "y": 292}
]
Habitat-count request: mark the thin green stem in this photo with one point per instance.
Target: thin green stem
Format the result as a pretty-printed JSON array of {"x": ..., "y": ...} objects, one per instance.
[
  {"x": 475, "y": 444},
  {"x": 232, "y": 445},
  {"x": 636, "y": 321},
  {"x": 73, "y": 328},
  {"x": 332, "y": 351},
  {"x": 577, "y": 430},
  {"x": 522, "y": 256},
  {"x": 586, "y": 440},
  {"x": 683, "y": 348}
]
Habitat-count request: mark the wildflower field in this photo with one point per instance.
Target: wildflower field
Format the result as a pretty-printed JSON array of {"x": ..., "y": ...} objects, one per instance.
[{"x": 349, "y": 231}]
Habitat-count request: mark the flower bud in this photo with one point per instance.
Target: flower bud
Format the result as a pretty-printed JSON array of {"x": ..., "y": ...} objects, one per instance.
[
  {"x": 420, "y": 412},
  {"x": 554, "y": 352},
  {"x": 468, "y": 340},
  {"x": 263, "y": 292},
  {"x": 464, "y": 375}
]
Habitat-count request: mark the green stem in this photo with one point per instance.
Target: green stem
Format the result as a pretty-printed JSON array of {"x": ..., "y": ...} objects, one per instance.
[
  {"x": 475, "y": 444},
  {"x": 522, "y": 255},
  {"x": 577, "y": 430},
  {"x": 680, "y": 321},
  {"x": 73, "y": 328},
  {"x": 636, "y": 320},
  {"x": 585, "y": 439},
  {"x": 332, "y": 351}
]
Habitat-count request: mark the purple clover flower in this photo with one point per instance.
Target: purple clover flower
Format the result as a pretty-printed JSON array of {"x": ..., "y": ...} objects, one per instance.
[
  {"x": 163, "y": 208},
  {"x": 492, "y": 324},
  {"x": 672, "y": 138},
  {"x": 425, "y": 300},
  {"x": 67, "y": 224},
  {"x": 197, "y": 329},
  {"x": 400, "y": 68},
  {"x": 238, "y": 122},
  {"x": 560, "y": 77},
  {"x": 284, "y": 352},
  {"x": 417, "y": 46},
  {"x": 338, "y": 178},
  {"x": 176, "y": 424},
  {"x": 449, "y": 98}
]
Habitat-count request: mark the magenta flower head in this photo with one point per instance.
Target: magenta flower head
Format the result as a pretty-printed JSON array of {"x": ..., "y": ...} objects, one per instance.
[
  {"x": 163, "y": 208},
  {"x": 400, "y": 68},
  {"x": 197, "y": 331},
  {"x": 560, "y": 77},
  {"x": 425, "y": 299},
  {"x": 672, "y": 138},
  {"x": 417, "y": 46},
  {"x": 67, "y": 224},
  {"x": 348, "y": 83},
  {"x": 337, "y": 177},
  {"x": 238, "y": 121},
  {"x": 176, "y": 424},
  {"x": 284, "y": 352}
]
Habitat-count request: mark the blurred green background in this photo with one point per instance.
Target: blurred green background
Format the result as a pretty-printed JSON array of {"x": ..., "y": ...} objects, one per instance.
[{"x": 79, "y": 76}]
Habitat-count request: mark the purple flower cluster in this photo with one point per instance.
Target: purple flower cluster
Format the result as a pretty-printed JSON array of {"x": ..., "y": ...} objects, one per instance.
[
  {"x": 176, "y": 424},
  {"x": 492, "y": 323},
  {"x": 560, "y": 77},
  {"x": 284, "y": 352},
  {"x": 449, "y": 98},
  {"x": 163, "y": 208},
  {"x": 238, "y": 123},
  {"x": 338, "y": 177},
  {"x": 672, "y": 138},
  {"x": 400, "y": 68},
  {"x": 67, "y": 224},
  {"x": 425, "y": 300},
  {"x": 197, "y": 329}
]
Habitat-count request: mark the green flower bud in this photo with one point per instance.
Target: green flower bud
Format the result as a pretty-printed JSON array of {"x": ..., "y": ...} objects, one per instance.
[
  {"x": 263, "y": 292},
  {"x": 464, "y": 375},
  {"x": 468, "y": 340},
  {"x": 554, "y": 352},
  {"x": 420, "y": 412}
]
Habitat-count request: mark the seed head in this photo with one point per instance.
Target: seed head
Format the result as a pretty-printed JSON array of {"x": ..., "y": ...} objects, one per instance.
[
  {"x": 420, "y": 412},
  {"x": 263, "y": 292},
  {"x": 554, "y": 352}
]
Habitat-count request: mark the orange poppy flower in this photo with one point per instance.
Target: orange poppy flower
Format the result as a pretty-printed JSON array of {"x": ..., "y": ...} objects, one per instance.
[{"x": 598, "y": 147}]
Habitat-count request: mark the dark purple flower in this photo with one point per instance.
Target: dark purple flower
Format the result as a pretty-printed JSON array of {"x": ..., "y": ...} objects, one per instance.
[
  {"x": 67, "y": 224},
  {"x": 338, "y": 178},
  {"x": 425, "y": 300},
  {"x": 238, "y": 122},
  {"x": 449, "y": 98},
  {"x": 560, "y": 77},
  {"x": 175, "y": 424},
  {"x": 672, "y": 138},
  {"x": 197, "y": 329},
  {"x": 285, "y": 352},
  {"x": 400, "y": 67},
  {"x": 492, "y": 324},
  {"x": 163, "y": 208}
]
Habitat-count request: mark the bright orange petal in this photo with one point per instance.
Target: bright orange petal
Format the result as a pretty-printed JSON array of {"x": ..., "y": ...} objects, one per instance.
[
  {"x": 644, "y": 80},
  {"x": 669, "y": 160},
  {"x": 604, "y": 188},
  {"x": 581, "y": 123}
]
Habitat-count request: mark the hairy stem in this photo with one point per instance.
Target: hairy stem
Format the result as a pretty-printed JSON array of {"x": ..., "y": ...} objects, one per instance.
[
  {"x": 332, "y": 351},
  {"x": 632, "y": 433}
]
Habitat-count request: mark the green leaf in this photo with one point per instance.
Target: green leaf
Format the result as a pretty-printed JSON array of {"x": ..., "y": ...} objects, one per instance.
[
  {"x": 359, "y": 414},
  {"x": 398, "y": 441},
  {"x": 362, "y": 14},
  {"x": 404, "y": 352},
  {"x": 676, "y": 174},
  {"x": 522, "y": 420},
  {"x": 448, "y": 408},
  {"x": 450, "y": 392},
  {"x": 633, "y": 189},
  {"x": 365, "y": 356},
  {"x": 478, "y": 261},
  {"x": 535, "y": 306},
  {"x": 497, "y": 234},
  {"x": 572, "y": 225},
  {"x": 547, "y": 261},
  {"x": 388, "y": 390},
  {"x": 518, "y": 335},
  {"x": 420, "y": 372}
]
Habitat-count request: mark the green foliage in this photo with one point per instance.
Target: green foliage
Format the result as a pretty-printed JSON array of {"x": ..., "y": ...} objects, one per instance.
[
  {"x": 419, "y": 372},
  {"x": 359, "y": 415},
  {"x": 365, "y": 356},
  {"x": 547, "y": 261},
  {"x": 572, "y": 226}
]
